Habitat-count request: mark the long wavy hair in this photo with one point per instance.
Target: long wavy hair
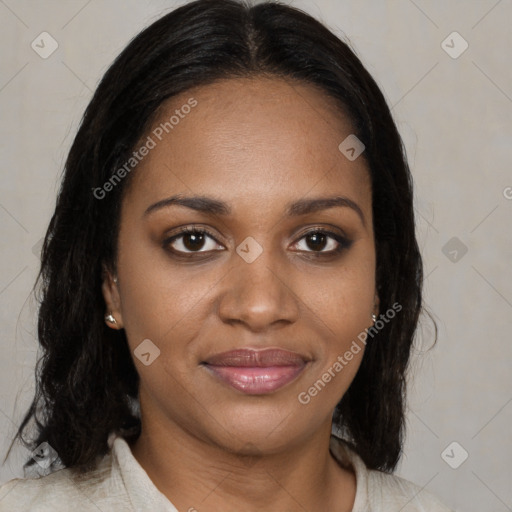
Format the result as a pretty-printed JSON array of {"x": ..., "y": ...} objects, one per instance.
[{"x": 86, "y": 381}]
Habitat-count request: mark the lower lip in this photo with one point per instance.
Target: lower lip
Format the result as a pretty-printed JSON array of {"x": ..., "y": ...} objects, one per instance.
[{"x": 256, "y": 380}]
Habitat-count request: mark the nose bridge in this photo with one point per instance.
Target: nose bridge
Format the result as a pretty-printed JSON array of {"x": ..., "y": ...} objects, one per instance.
[
  {"x": 259, "y": 293},
  {"x": 263, "y": 274}
]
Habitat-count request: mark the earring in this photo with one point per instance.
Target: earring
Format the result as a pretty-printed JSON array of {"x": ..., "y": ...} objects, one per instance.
[
  {"x": 115, "y": 279},
  {"x": 374, "y": 318},
  {"x": 109, "y": 318}
]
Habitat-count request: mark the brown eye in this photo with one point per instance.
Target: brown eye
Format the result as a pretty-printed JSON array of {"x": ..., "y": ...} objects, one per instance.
[
  {"x": 192, "y": 240},
  {"x": 316, "y": 241},
  {"x": 324, "y": 242}
]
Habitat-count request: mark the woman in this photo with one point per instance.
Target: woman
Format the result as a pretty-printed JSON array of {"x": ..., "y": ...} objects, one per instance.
[{"x": 230, "y": 281}]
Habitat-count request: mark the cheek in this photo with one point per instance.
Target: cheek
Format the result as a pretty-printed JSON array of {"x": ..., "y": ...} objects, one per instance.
[
  {"x": 160, "y": 300},
  {"x": 341, "y": 306},
  {"x": 343, "y": 298}
]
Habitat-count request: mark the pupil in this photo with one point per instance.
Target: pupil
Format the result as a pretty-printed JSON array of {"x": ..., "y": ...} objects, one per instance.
[
  {"x": 318, "y": 241},
  {"x": 193, "y": 241}
]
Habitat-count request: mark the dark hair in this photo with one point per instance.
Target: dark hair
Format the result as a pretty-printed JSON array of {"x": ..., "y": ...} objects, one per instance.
[{"x": 86, "y": 381}]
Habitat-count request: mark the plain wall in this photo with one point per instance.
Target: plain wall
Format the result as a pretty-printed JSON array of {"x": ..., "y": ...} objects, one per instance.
[{"x": 454, "y": 115}]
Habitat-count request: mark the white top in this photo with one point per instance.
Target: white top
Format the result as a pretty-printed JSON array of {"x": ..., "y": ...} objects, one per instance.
[{"x": 120, "y": 484}]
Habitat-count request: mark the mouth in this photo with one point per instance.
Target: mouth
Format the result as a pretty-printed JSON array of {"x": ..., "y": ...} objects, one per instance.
[{"x": 256, "y": 372}]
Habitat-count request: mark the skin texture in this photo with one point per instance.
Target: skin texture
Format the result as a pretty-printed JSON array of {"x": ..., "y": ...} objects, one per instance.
[{"x": 256, "y": 144}]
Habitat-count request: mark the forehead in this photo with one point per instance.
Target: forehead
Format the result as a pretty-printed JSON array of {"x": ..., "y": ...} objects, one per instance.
[{"x": 264, "y": 138}]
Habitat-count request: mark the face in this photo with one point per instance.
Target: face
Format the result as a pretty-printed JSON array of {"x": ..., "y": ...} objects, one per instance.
[{"x": 262, "y": 266}]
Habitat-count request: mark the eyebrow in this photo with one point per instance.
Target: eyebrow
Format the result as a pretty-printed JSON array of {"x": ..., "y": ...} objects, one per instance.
[{"x": 213, "y": 206}]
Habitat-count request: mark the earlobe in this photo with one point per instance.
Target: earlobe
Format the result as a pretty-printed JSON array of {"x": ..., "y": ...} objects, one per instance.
[
  {"x": 110, "y": 291},
  {"x": 376, "y": 304},
  {"x": 110, "y": 319}
]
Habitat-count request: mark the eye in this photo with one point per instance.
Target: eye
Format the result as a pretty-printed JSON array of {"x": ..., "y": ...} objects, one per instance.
[
  {"x": 191, "y": 240},
  {"x": 317, "y": 242},
  {"x": 322, "y": 242}
]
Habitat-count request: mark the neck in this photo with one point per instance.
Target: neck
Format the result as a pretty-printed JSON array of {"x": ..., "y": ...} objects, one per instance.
[{"x": 197, "y": 474}]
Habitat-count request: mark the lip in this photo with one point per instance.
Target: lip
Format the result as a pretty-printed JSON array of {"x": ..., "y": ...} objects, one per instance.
[{"x": 256, "y": 372}]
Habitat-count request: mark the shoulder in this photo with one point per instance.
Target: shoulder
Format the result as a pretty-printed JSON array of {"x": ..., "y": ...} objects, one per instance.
[
  {"x": 377, "y": 490},
  {"x": 38, "y": 494},
  {"x": 386, "y": 491},
  {"x": 60, "y": 490}
]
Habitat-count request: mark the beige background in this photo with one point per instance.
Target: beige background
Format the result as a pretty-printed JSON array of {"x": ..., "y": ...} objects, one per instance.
[{"x": 455, "y": 118}]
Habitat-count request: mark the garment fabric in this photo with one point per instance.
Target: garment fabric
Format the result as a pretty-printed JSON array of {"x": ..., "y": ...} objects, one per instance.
[{"x": 120, "y": 484}]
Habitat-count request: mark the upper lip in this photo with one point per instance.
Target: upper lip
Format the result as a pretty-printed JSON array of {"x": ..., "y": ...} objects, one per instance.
[{"x": 246, "y": 357}]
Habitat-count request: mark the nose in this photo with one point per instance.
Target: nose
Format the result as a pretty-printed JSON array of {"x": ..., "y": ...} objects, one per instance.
[{"x": 260, "y": 294}]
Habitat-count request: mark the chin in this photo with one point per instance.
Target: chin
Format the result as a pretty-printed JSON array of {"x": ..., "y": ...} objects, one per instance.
[{"x": 252, "y": 430}]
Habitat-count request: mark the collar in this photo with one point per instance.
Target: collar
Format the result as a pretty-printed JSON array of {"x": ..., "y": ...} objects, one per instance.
[
  {"x": 346, "y": 457},
  {"x": 142, "y": 491}
]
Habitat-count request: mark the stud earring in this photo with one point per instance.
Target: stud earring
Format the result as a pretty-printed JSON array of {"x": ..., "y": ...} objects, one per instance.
[
  {"x": 109, "y": 318},
  {"x": 374, "y": 318}
]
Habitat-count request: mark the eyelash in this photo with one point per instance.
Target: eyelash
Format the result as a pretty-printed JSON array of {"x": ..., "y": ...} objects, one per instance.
[{"x": 343, "y": 243}]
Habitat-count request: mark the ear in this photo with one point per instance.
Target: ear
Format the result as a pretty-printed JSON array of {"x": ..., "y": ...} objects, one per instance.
[{"x": 110, "y": 290}]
